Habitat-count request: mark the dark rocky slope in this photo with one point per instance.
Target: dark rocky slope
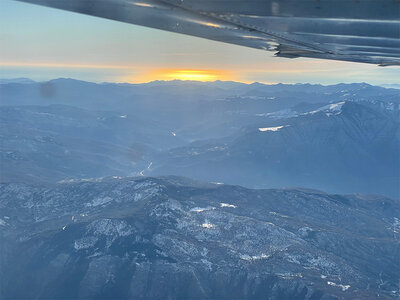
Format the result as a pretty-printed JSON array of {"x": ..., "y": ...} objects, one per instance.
[{"x": 172, "y": 238}]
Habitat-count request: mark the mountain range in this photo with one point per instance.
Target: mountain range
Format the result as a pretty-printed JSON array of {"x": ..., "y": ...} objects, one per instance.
[
  {"x": 175, "y": 238},
  {"x": 345, "y": 146},
  {"x": 294, "y": 191},
  {"x": 341, "y": 138}
]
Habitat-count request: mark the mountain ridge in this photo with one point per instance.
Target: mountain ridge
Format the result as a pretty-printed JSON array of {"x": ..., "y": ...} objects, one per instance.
[
  {"x": 101, "y": 129},
  {"x": 299, "y": 244}
]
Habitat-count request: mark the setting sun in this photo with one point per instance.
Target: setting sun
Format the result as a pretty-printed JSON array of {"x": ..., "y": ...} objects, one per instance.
[
  {"x": 186, "y": 74},
  {"x": 200, "y": 75}
]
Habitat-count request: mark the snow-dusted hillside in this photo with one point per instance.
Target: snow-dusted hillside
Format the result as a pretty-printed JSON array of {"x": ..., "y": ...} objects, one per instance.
[{"x": 173, "y": 238}]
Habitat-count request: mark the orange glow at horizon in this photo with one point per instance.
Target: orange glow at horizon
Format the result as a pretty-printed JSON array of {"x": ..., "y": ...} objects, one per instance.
[{"x": 186, "y": 74}]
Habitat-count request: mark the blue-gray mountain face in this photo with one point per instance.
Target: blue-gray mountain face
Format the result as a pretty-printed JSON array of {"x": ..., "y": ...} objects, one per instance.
[
  {"x": 343, "y": 138},
  {"x": 66, "y": 236},
  {"x": 171, "y": 238},
  {"x": 344, "y": 147}
]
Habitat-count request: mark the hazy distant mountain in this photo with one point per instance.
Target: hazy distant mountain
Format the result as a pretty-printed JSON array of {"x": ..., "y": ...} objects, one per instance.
[
  {"x": 111, "y": 96},
  {"x": 392, "y": 86},
  {"x": 222, "y": 107},
  {"x": 65, "y": 128},
  {"x": 55, "y": 142},
  {"x": 172, "y": 238},
  {"x": 342, "y": 147},
  {"x": 17, "y": 80}
]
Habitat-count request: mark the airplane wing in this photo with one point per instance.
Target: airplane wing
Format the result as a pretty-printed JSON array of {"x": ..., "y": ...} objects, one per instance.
[{"x": 365, "y": 31}]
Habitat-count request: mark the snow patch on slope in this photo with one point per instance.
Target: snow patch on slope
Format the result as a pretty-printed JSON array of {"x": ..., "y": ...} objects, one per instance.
[
  {"x": 227, "y": 205},
  {"x": 201, "y": 209},
  {"x": 277, "y": 128},
  {"x": 343, "y": 287},
  {"x": 330, "y": 109}
]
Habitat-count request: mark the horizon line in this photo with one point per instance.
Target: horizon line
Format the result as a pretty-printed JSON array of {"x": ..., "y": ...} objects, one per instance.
[{"x": 184, "y": 81}]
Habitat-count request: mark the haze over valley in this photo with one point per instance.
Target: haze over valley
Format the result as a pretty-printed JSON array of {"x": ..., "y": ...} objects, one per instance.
[
  {"x": 198, "y": 190},
  {"x": 341, "y": 138}
]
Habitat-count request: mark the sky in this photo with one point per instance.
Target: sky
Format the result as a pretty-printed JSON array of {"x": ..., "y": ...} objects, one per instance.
[{"x": 43, "y": 43}]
